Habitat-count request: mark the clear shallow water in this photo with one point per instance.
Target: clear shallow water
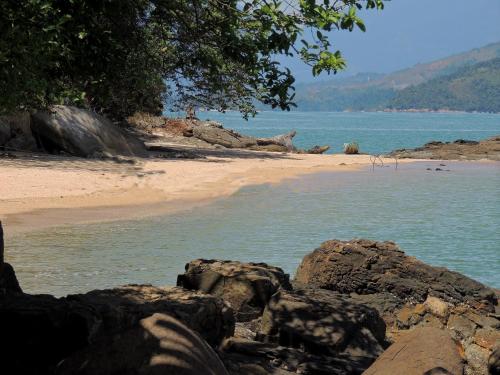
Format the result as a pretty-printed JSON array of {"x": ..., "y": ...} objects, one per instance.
[
  {"x": 449, "y": 219},
  {"x": 375, "y": 132}
]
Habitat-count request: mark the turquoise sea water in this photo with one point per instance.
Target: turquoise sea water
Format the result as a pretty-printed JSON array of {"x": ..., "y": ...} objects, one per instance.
[
  {"x": 375, "y": 132},
  {"x": 444, "y": 218}
]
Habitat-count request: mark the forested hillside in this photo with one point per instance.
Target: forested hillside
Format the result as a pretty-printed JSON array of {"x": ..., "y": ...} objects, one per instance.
[
  {"x": 474, "y": 88},
  {"x": 372, "y": 91}
]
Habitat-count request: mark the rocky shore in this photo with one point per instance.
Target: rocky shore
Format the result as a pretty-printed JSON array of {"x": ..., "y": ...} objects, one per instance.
[
  {"x": 354, "y": 307},
  {"x": 460, "y": 149}
]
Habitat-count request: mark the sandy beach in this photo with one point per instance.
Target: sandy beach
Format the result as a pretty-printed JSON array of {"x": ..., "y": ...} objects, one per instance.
[{"x": 40, "y": 190}]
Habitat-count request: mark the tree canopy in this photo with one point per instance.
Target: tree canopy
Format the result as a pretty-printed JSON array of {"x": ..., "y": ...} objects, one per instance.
[{"x": 123, "y": 56}]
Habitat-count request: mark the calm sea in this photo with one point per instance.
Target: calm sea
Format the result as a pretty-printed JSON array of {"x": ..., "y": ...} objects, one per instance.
[
  {"x": 447, "y": 218},
  {"x": 375, "y": 132}
]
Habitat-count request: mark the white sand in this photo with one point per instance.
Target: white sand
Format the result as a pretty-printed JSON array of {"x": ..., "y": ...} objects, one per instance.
[{"x": 56, "y": 190}]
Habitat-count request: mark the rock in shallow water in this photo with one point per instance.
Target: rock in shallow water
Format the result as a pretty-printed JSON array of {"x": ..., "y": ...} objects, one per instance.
[{"x": 367, "y": 267}]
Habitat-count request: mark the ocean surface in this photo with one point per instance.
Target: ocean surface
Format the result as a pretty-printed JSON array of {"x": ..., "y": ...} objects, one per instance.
[
  {"x": 446, "y": 218},
  {"x": 375, "y": 132}
]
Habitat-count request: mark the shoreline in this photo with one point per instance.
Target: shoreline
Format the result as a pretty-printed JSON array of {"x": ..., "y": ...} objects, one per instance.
[{"x": 50, "y": 191}]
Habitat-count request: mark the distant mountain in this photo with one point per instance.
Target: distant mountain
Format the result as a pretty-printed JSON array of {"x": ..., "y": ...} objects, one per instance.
[
  {"x": 471, "y": 88},
  {"x": 372, "y": 91}
]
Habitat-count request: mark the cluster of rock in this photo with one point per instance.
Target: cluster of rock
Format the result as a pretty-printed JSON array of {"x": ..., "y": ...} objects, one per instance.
[
  {"x": 348, "y": 303},
  {"x": 458, "y": 150}
]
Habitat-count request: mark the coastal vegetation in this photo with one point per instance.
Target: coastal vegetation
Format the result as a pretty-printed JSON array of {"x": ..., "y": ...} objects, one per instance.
[
  {"x": 473, "y": 88},
  {"x": 119, "y": 57},
  {"x": 463, "y": 82}
]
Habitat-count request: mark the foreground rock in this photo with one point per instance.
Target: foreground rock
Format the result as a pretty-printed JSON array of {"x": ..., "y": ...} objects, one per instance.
[
  {"x": 51, "y": 329},
  {"x": 457, "y": 150},
  {"x": 324, "y": 322},
  {"x": 334, "y": 319},
  {"x": 159, "y": 344},
  {"x": 425, "y": 350},
  {"x": 82, "y": 133},
  {"x": 247, "y": 287},
  {"x": 408, "y": 293},
  {"x": 370, "y": 267}
]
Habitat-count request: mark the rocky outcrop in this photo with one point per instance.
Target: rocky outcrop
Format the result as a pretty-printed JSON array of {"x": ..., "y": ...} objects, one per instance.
[
  {"x": 425, "y": 350},
  {"x": 408, "y": 294},
  {"x": 348, "y": 301},
  {"x": 159, "y": 344},
  {"x": 247, "y": 287},
  {"x": 458, "y": 150},
  {"x": 82, "y": 133},
  {"x": 369, "y": 267},
  {"x": 294, "y": 328}
]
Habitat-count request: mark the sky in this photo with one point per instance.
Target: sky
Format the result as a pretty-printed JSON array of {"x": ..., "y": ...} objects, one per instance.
[{"x": 408, "y": 32}]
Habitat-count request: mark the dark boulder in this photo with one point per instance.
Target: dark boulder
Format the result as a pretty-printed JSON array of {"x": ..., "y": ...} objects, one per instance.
[
  {"x": 38, "y": 331},
  {"x": 368, "y": 267},
  {"x": 15, "y": 132},
  {"x": 246, "y": 286},
  {"x": 248, "y": 357},
  {"x": 323, "y": 322},
  {"x": 423, "y": 351},
  {"x": 120, "y": 308},
  {"x": 8, "y": 279},
  {"x": 46, "y": 329},
  {"x": 83, "y": 133},
  {"x": 158, "y": 344}
]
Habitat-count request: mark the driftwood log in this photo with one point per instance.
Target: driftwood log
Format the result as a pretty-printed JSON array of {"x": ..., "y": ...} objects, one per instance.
[
  {"x": 285, "y": 140},
  {"x": 214, "y": 133}
]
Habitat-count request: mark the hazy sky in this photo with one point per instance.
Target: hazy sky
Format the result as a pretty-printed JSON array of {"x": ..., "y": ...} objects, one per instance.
[{"x": 408, "y": 32}]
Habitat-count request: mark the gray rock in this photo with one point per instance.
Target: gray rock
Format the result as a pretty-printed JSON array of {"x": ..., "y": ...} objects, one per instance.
[{"x": 83, "y": 133}]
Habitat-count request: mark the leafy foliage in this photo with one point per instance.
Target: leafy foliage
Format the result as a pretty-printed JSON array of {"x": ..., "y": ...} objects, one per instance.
[{"x": 122, "y": 56}]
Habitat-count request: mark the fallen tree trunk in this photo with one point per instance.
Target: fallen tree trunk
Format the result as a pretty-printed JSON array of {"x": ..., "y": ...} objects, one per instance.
[{"x": 285, "y": 140}]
